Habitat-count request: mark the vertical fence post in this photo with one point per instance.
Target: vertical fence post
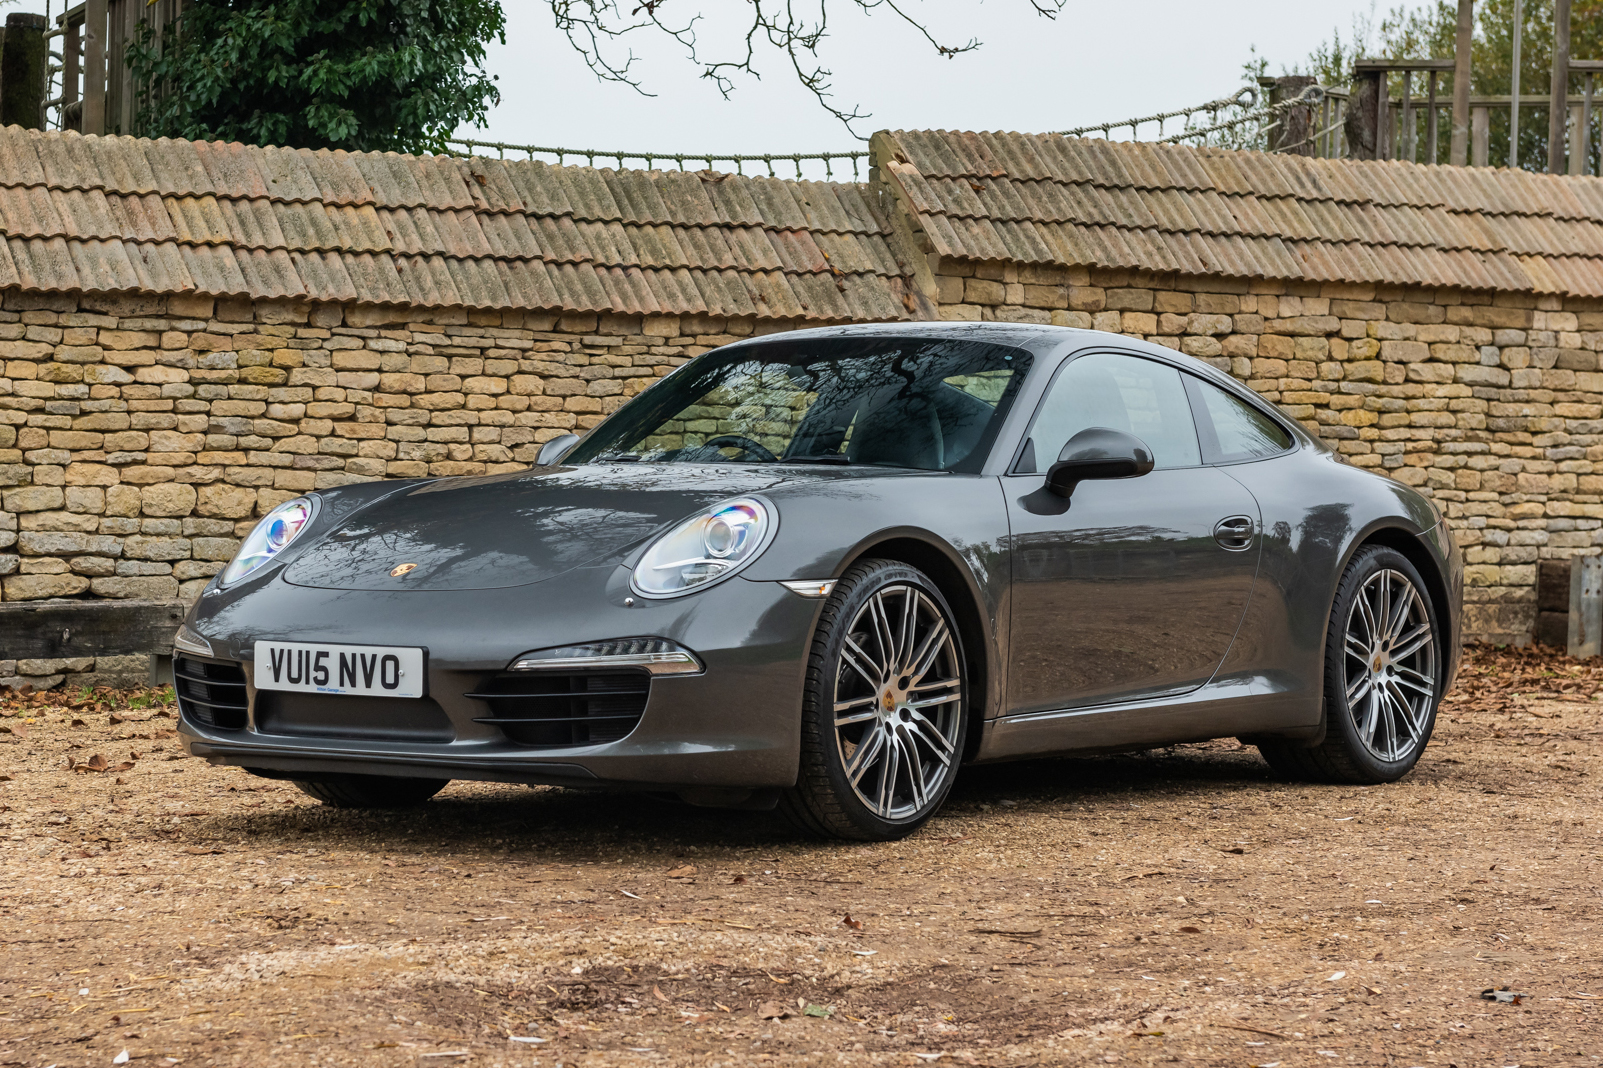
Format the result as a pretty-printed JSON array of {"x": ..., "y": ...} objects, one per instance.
[
  {"x": 94, "y": 67},
  {"x": 1480, "y": 136},
  {"x": 1405, "y": 121},
  {"x": 1586, "y": 606},
  {"x": 1295, "y": 125},
  {"x": 1368, "y": 115},
  {"x": 1514, "y": 87},
  {"x": 1577, "y": 160},
  {"x": 1585, "y": 149},
  {"x": 71, "y": 46},
  {"x": 1430, "y": 122},
  {"x": 1458, "y": 149},
  {"x": 1557, "y": 111},
  {"x": 23, "y": 71}
]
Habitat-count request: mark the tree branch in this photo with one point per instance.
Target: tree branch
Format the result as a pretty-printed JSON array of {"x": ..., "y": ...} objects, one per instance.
[{"x": 593, "y": 26}]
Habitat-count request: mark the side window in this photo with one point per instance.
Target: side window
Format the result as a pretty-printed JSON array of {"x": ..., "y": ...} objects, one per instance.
[
  {"x": 1233, "y": 430},
  {"x": 1140, "y": 397}
]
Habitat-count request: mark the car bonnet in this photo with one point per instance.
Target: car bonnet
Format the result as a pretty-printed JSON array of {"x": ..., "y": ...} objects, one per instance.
[{"x": 513, "y": 530}]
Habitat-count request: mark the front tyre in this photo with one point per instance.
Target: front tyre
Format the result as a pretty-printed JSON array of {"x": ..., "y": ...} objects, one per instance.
[
  {"x": 884, "y": 712},
  {"x": 372, "y": 791},
  {"x": 1383, "y": 677}
]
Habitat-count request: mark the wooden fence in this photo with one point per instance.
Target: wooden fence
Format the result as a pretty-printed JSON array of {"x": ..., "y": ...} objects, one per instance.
[{"x": 91, "y": 88}]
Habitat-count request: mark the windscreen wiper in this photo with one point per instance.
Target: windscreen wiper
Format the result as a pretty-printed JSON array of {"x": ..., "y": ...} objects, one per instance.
[{"x": 829, "y": 458}]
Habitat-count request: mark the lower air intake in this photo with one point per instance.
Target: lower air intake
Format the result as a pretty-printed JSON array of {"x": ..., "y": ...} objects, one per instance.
[
  {"x": 210, "y": 692},
  {"x": 554, "y": 711}
]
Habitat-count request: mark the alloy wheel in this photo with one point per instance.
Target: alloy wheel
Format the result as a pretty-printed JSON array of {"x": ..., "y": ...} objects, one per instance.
[
  {"x": 898, "y": 702},
  {"x": 1390, "y": 665}
]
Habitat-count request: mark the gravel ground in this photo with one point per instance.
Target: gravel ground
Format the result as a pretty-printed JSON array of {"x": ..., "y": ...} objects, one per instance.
[{"x": 1179, "y": 906}]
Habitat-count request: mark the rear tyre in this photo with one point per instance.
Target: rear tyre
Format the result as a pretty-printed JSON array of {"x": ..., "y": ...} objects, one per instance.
[
  {"x": 1383, "y": 677},
  {"x": 885, "y": 708},
  {"x": 372, "y": 791}
]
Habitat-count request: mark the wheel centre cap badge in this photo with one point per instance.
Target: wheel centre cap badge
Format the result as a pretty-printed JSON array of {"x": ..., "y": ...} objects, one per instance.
[
  {"x": 401, "y": 569},
  {"x": 890, "y": 702}
]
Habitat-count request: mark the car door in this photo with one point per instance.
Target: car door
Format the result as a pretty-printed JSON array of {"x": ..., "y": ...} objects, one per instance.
[{"x": 1133, "y": 588}]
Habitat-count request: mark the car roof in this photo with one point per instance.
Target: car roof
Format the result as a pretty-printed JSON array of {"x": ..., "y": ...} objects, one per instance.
[{"x": 1041, "y": 338}]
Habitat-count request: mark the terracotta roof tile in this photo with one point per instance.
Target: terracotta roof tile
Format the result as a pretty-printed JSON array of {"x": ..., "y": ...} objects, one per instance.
[
  {"x": 179, "y": 216},
  {"x": 1092, "y": 202}
]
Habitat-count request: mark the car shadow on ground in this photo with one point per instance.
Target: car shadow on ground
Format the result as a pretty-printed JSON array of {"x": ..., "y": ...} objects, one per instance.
[{"x": 492, "y": 818}]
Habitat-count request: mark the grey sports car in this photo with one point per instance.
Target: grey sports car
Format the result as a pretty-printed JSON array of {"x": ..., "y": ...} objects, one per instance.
[{"x": 823, "y": 570}]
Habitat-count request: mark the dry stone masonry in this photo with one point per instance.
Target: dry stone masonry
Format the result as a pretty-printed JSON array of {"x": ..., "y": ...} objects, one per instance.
[
  {"x": 140, "y": 438},
  {"x": 1490, "y": 404},
  {"x": 191, "y": 333}
]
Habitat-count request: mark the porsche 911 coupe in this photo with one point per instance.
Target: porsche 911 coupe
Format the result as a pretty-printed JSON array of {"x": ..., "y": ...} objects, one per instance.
[{"x": 821, "y": 571}]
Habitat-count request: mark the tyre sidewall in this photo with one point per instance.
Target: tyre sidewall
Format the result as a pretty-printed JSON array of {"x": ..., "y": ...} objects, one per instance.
[
  {"x": 819, "y": 699},
  {"x": 1338, "y": 717}
]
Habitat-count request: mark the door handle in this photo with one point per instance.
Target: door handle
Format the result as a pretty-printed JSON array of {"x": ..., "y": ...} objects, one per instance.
[{"x": 1235, "y": 532}]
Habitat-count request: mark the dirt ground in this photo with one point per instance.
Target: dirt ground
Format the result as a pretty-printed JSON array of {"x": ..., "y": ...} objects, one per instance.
[{"x": 1176, "y": 907}]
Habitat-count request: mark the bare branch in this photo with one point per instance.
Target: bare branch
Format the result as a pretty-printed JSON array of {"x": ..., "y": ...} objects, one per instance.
[{"x": 593, "y": 27}]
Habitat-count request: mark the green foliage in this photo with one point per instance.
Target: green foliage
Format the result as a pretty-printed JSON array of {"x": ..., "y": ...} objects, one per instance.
[
  {"x": 363, "y": 75},
  {"x": 1431, "y": 30}
]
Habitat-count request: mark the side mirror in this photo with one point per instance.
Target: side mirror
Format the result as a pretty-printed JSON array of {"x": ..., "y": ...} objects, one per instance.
[
  {"x": 554, "y": 450},
  {"x": 1098, "y": 452}
]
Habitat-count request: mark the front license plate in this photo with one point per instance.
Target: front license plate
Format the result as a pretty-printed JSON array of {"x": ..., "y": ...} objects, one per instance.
[{"x": 368, "y": 670}]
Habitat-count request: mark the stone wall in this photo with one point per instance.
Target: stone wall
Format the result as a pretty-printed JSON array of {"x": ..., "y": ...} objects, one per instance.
[
  {"x": 91, "y": 671},
  {"x": 1490, "y": 403},
  {"x": 140, "y": 438}
]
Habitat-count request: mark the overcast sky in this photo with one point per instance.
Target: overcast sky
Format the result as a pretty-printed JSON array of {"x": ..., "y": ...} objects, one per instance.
[{"x": 1097, "y": 61}]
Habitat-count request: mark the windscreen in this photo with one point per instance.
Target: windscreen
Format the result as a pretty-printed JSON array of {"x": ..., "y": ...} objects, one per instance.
[{"x": 930, "y": 405}]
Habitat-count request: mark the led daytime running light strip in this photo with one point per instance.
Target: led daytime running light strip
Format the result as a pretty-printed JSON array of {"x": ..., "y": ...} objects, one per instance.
[{"x": 657, "y": 655}]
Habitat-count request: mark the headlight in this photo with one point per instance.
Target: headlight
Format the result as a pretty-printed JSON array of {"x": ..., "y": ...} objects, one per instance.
[
  {"x": 705, "y": 548},
  {"x": 276, "y": 530}
]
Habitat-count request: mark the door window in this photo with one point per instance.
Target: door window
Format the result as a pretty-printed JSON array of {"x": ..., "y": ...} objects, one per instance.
[
  {"x": 1233, "y": 430},
  {"x": 1108, "y": 389}
]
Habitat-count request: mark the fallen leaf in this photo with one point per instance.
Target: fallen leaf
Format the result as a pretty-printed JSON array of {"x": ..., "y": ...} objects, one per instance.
[
  {"x": 772, "y": 1010},
  {"x": 657, "y": 992},
  {"x": 76, "y": 722},
  {"x": 201, "y": 851},
  {"x": 682, "y": 872},
  {"x": 626, "y": 893},
  {"x": 1336, "y": 975},
  {"x": 847, "y": 921},
  {"x": 822, "y": 1011},
  {"x": 1233, "y": 849},
  {"x": 5, "y": 778},
  {"x": 1190, "y": 930},
  {"x": 121, "y": 1058},
  {"x": 737, "y": 880},
  {"x": 1000, "y": 931}
]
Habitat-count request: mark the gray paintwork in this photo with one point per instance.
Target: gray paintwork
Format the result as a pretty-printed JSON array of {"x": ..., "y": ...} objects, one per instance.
[{"x": 1184, "y": 642}]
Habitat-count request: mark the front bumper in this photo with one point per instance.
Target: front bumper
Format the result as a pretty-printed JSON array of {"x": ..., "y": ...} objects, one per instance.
[{"x": 735, "y": 725}]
